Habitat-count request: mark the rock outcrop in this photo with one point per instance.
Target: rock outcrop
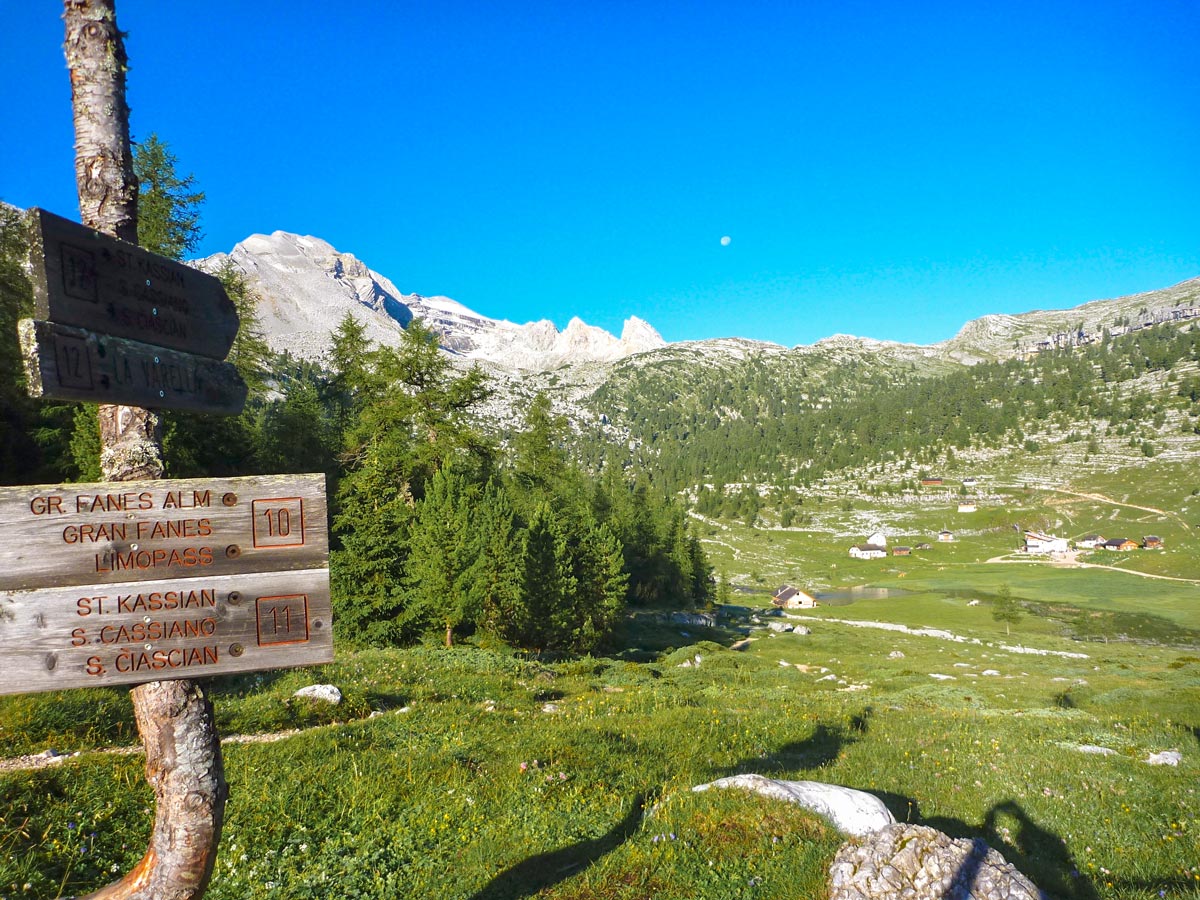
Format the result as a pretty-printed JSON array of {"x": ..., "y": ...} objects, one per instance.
[{"x": 914, "y": 862}]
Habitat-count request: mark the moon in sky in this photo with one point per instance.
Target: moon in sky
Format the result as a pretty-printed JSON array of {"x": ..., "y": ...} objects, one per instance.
[{"x": 726, "y": 241}]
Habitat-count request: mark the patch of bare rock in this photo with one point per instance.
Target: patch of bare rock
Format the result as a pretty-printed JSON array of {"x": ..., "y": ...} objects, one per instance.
[
  {"x": 915, "y": 862},
  {"x": 889, "y": 860}
]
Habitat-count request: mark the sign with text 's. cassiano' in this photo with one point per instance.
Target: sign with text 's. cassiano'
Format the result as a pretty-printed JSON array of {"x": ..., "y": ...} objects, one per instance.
[{"x": 117, "y": 583}]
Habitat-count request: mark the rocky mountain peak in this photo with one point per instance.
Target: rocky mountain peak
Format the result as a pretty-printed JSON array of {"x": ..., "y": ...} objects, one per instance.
[{"x": 306, "y": 286}]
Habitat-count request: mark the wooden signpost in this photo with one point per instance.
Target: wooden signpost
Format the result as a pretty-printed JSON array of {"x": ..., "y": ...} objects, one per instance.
[
  {"x": 117, "y": 324},
  {"x": 126, "y": 582},
  {"x": 148, "y": 582},
  {"x": 84, "y": 277},
  {"x": 69, "y": 363}
]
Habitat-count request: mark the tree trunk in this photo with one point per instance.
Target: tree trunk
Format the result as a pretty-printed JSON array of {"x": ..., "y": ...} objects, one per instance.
[
  {"x": 175, "y": 720},
  {"x": 103, "y": 157}
]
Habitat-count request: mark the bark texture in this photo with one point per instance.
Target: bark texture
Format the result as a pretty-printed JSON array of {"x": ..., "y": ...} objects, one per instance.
[
  {"x": 176, "y": 723},
  {"x": 108, "y": 189},
  {"x": 130, "y": 443},
  {"x": 174, "y": 718}
]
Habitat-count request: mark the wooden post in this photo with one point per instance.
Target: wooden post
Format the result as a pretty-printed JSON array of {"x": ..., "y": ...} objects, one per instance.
[{"x": 174, "y": 718}]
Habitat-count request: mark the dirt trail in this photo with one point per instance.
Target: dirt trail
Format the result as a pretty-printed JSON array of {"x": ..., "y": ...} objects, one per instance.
[
  {"x": 50, "y": 758},
  {"x": 1072, "y": 563},
  {"x": 1100, "y": 498}
]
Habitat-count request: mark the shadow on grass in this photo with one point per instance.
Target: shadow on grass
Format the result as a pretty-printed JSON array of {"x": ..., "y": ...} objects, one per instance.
[
  {"x": 533, "y": 875},
  {"x": 819, "y": 749},
  {"x": 1038, "y": 853}
]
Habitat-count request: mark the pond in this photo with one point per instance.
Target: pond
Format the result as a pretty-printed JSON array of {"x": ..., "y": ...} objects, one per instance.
[{"x": 851, "y": 595}]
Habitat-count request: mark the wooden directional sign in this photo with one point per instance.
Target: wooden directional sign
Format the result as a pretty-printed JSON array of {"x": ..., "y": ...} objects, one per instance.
[
  {"x": 68, "y": 363},
  {"x": 85, "y": 278},
  {"x": 125, "y": 582},
  {"x": 114, "y": 532},
  {"x": 156, "y": 630}
]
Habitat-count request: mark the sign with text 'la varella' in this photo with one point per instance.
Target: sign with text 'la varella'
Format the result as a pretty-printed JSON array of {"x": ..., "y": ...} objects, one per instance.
[
  {"x": 68, "y": 363},
  {"x": 119, "y": 583},
  {"x": 118, "y": 324}
]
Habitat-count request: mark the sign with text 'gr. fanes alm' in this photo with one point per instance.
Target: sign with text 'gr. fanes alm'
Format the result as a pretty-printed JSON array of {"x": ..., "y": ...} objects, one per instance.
[
  {"x": 127, "y": 582},
  {"x": 118, "y": 324}
]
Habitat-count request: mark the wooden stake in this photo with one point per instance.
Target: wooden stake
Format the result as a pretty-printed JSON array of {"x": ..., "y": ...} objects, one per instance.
[{"x": 174, "y": 718}]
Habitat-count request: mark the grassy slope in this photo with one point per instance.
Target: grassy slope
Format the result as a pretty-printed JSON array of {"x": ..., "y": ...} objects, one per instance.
[
  {"x": 447, "y": 799},
  {"x": 478, "y": 792}
]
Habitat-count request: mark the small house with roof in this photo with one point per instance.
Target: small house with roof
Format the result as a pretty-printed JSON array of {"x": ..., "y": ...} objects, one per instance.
[
  {"x": 1152, "y": 542},
  {"x": 1089, "y": 541},
  {"x": 946, "y": 537},
  {"x": 1119, "y": 544},
  {"x": 788, "y": 597},
  {"x": 1036, "y": 542}
]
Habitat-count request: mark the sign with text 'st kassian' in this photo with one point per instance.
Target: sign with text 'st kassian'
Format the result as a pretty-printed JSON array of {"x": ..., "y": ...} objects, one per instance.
[{"x": 137, "y": 581}]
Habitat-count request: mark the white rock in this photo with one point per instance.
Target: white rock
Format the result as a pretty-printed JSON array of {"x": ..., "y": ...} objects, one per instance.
[
  {"x": 852, "y": 812},
  {"x": 940, "y": 677},
  {"x": 991, "y": 672},
  {"x": 1166, "y": 758},
  {"x": 896, "y": 654},
  {"x": 327, "y": 692},
  {"x": 780, "y": 627},
  {"x": 829, "y": 677},
  {"x": 972, "y": 603},
  {"x": 801, "y": 629},
  {"x": 550, "y": 708},
  {"x": 1095, "y": 750}
]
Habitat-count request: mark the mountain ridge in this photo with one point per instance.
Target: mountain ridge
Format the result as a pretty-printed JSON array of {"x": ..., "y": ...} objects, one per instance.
[{"x": 306, "y": 286}]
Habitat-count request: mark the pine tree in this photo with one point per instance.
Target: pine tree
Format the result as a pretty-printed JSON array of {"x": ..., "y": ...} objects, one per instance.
[
  {"x": 1005, "y": 608},
  {"x": 168, "y": 203},
  {"x": 441, "y": 549}
]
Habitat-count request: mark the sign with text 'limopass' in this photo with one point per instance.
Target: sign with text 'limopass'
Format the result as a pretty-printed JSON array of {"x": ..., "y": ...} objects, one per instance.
[{"x": 118, "y": 583}]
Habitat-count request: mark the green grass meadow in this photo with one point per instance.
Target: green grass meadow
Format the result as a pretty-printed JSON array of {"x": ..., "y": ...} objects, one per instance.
[
  {"x": 488, "y": 776},
  {"x": 478, "y": 774}
]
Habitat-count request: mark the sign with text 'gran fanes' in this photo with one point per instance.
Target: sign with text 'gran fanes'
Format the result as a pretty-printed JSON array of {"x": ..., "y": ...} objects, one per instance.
[{"x": 137, "y": 581}]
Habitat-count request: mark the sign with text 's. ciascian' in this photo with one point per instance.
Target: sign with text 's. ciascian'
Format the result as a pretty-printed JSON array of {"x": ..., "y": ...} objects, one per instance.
[{"x": 137, "y": 581}]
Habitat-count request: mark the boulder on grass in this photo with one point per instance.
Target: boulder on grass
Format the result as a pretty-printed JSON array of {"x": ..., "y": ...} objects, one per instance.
[
  {"x": 920, "y": 863},
  {"x": 850, "y": 811},
  {"x": 325, "y": 692}
]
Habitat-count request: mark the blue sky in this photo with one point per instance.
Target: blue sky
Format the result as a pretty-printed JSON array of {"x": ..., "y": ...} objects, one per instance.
[{"x": 883, "y": 169}]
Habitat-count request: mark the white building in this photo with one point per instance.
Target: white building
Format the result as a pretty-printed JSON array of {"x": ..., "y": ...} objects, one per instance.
[
  {"x": 868, "y": 551},
  {"x": 1036, "y": 542}
]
